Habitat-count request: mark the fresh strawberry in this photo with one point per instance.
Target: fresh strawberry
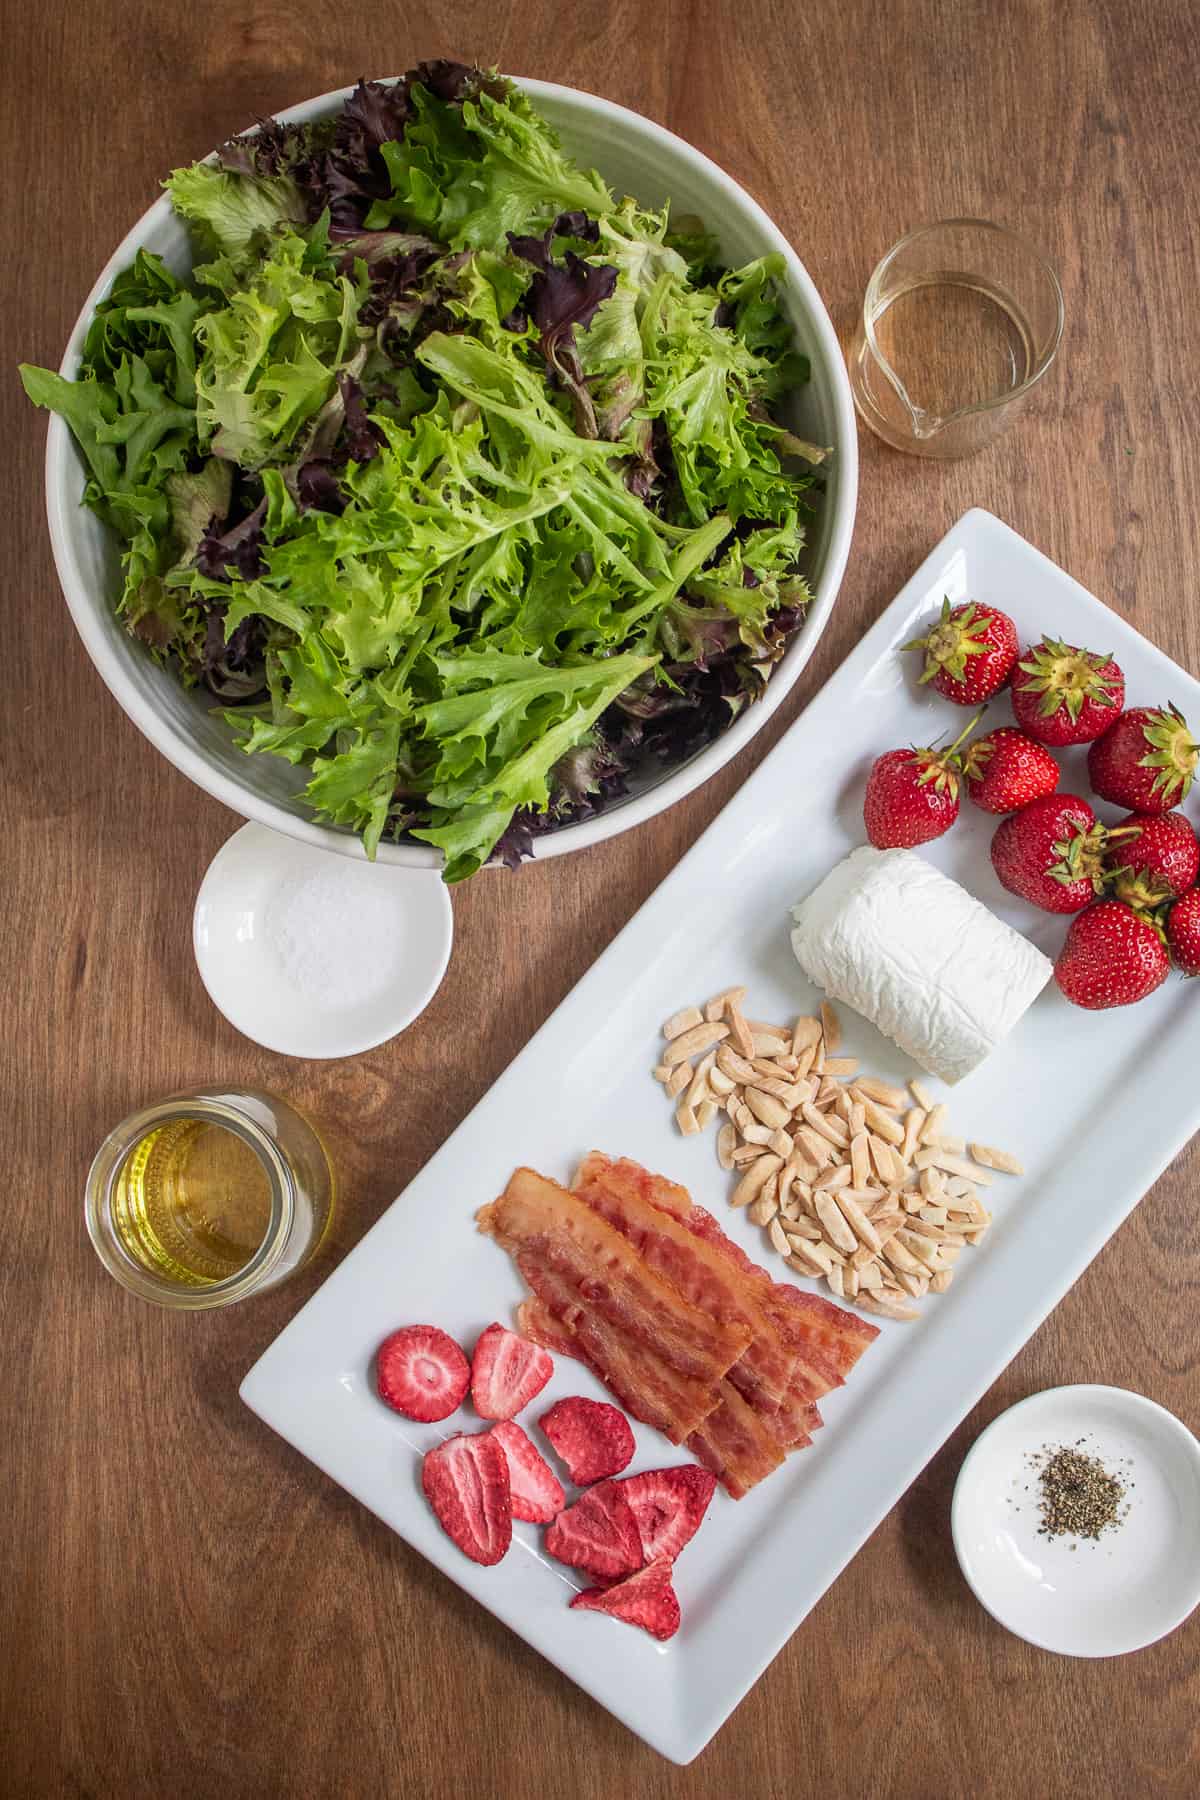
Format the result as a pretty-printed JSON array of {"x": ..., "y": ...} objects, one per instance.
[
  {"x": 1062, "y": 695},
  {"x": 537, "y": 1494},
  {"x": 1183, "y": 932},
  {"x": 592, "y": 1438},
  {"x": 1051, "y": 852},
  {"x": 1112, "y": 956},
  {"x": 1005, "y": 770},
  {"x": 969, "y": 653},
  {"x": 421, "y": 1372},
  {"x": 507, "y": 1372},
  {"x": 1151, "y": 858},
  {"x": 598, "y": 1534},
  {"x": 1146, "y": 760},
  {"x": 912, "y": 795},
  {"x": 668, "y": 1505},
  {"x": 646, "y": 1599},
  {"x": 466, "y": 1483}
]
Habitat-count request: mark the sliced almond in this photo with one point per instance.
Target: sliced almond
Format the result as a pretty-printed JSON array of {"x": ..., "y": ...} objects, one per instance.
[
  {"x": 916, "y": 1285},
  {"x": 745, "y": 1154},
  {"x": 763, "y": 1208},
  {"x": 720, "y": 1003},
  {"x": 720, "y": 1083},
  {"x": 809, "y": 1259},
  {"x": 832, "y": 1130},
  {"x": 804, "y": 1229},
  {"x": 686, "y": 1119},
  {"x": 781, "y": 1144},
  {"x": 767, "y": 1108},
  {"x": 870, "y": 1277},
  {"x": 837, "y": 1175},
  {"x": 787, "y": 1176},
  {"x": 881, "y": 1122},
  {"x": 828, "y": 1093},
  {"x": 767, "y": 1043},
  {"x": 805, "y": 1033},
  {"x": 695, "y": 1042},
  {"x": 881, "y": 1093},
  {"x": 943, "y": 1141},
  {"x": 900, "y": 1257},
  {"x": 831, "y": 1028},
  {"x": 933, "y": 1215},
  {"x": 932, "y": 1184},
  {"x": 836, "y": 1229},
  {"x": 878, "y": 1302},
  {"x": 857, "y": 1120},
  {"x": 935, "y": 1118},
  {"x": 881, "y": 1156},
  {"x": 843, "y": 1106},
  {"x": 914, "y": 1118},
  {"x": 681, "y": 1076},
  {"x": 733, "y": 1065},
  {"x": 922, "y": 1248},
  {"x": 795, "y": 1093},
  {"x": 953, "y": 1165},
  {"x": 752, "y": 1131},
  {"x": 996, "y": 1159},
  {"x": 841, "y": 1065},
  {"x": 726, "y": 1145},
  {"x": 778, "y": 1238},
  {"x": 858, "y": 1221},
  {"x": 682, "y": 1021},
  {"x": 941, "y": 1281},
  {"x": 836, "y": 1280},
  {"x": 804, "y": 1062},
  {"x": 663, "y": 1073},
  {"x": 699, "y": 1082},
  {"x": 849, "y": 1282},
  {"x": 911, "y": 1202},
  {"x": 790, "y": 1208},
  {"x": 804, "y": 1160},
  {"x": 739, "y": 1031},
  {"x": 755, "y": 1179},
  {"x": 816, "y": 1144},
  {"x": 705, "y": 1113},
  {"x": 921, "y": 1095}
]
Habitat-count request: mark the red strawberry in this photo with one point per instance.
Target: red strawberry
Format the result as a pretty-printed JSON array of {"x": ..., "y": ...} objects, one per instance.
[
  {"x": 1051, "y": 852},
  {"x": 1183, "y": 932},
  {"x": 668, "y": 1505},
  {"x": 1062, "y": 695},
  {"x": 912, "y": 795},
  {"x": 507, "y": 1372},
  {"x": 1146, "y": 760},
  {"x": 466, "y": 1483},
  {"x": 969, "y": 653},
  {"x": 537, "y": 1494},
  {"x": 592, "y": 1438},
  {"x": 1112, "y": 956},
  {"x": 1005, "y": 770},
  {"x": 421, "y": 1372},
  {"x": 646, "y": 1599},
  {"x": 598, "y": 1534},
  {"x": 1155, "y": 856}
]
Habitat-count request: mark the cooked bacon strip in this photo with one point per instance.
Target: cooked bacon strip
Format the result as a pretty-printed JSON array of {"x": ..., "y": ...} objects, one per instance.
[
  {"x": 538, "y": 1218},
  {"x": 623, "y": 1193},
  {"x": 647, "y": 1387},
  {"x": 736, "y": 1444}
]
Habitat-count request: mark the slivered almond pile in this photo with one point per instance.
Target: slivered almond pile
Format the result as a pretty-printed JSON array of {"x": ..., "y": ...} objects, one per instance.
[{"x": 853, "y": 1180}]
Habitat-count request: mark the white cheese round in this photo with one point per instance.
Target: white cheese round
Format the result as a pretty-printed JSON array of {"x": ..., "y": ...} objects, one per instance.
[{"x": 919, "y": 957}]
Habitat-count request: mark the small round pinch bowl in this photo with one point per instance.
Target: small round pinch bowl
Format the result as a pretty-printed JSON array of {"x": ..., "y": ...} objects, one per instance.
[
  {"x": 635, "y": 157},
  {"x": 1077, "y": 1596}
]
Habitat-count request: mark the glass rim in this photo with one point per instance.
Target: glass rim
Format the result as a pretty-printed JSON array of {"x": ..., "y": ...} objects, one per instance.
[
  {"x": 105, "y": 1170},
  {"x": 1030, "y": 249}
]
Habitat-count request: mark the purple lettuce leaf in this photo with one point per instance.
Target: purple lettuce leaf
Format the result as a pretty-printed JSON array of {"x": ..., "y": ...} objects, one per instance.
[{"x": 562, "y": 296}]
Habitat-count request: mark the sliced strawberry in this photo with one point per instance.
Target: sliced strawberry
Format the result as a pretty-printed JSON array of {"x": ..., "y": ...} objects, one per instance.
[
  {"x": 537, "y": 1494},
  {"x": 466, "y": 1483},
  {"x": 598, "y": 1534},
  {"x": 421, "y": 1372},
  {"x": 668, "y": 1505},
  {"x": 646, "y": 1599},
  {"x": 592, "y": 1437},
  {"x": 507, "y": 1372}
]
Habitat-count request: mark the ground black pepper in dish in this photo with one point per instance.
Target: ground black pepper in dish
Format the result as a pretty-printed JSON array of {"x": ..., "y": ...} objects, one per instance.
[{"x": 1079, "y": 1497}]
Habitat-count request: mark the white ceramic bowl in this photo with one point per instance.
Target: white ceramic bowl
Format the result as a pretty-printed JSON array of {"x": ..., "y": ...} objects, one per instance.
[
  {"x": 636, "y": 157},
  {"x": 1131, "y": 1585}
]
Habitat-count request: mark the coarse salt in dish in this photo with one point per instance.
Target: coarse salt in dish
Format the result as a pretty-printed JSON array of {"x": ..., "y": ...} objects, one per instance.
[{"x": 314, "y": 955}]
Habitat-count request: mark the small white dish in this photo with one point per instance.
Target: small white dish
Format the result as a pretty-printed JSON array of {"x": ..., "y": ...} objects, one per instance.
[
  {"x": 372, "y": 966},
  {"x": 1080, "y": 1597}
]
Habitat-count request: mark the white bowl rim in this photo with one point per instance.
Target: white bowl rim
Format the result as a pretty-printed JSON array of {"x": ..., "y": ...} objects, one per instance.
[
  {"x": 635, "y": 810},
  {"x": 1167, "y": 1423}
]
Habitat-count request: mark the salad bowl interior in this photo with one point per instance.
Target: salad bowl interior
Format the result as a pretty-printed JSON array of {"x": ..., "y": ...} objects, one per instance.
[{"x": 636, "y": 157}]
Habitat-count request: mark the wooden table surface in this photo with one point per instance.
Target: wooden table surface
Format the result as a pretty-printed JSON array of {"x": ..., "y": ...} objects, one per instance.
[{"x": 186, "y": 1606}]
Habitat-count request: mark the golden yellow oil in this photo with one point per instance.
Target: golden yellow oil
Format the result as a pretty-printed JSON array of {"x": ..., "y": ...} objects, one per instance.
[{"x": 192, "y": 1202}]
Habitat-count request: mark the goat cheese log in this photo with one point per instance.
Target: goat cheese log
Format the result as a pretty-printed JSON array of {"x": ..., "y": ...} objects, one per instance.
[{"x": 919, "y": 957}]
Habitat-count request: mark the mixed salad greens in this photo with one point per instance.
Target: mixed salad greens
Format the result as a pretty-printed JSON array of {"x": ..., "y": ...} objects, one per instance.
[{"x": 452, "y": 477}]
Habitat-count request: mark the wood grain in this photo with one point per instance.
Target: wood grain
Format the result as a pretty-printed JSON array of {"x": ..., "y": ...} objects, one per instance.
[{"x": 188, "y": 1607}]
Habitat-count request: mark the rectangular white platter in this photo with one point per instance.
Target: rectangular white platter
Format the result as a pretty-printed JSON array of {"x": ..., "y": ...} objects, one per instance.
[{"x": 1096, "y": 1104}]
